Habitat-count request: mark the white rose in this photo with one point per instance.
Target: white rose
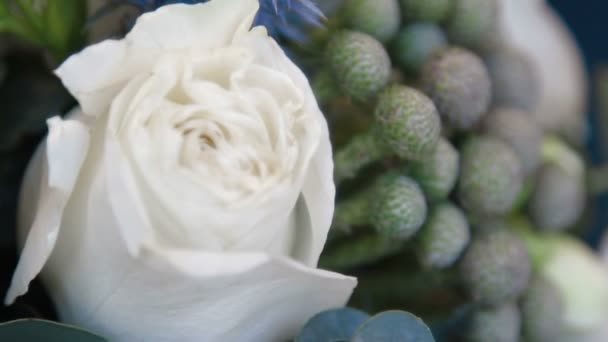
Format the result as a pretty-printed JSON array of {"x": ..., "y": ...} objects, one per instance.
[{"x": 192, "y": 199}]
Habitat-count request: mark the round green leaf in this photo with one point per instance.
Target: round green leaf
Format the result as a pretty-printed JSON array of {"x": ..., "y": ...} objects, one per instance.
[
  {"x": 393, "y": 326},
  {"x": 332, "y": 325},
  {"x": 35, "y": 330}
]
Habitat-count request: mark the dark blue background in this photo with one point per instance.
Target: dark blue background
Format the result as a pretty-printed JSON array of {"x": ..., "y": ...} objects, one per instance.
[{"x": 588, "y": 20}]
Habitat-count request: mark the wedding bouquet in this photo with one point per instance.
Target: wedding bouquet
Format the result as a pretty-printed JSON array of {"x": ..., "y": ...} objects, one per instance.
[{"x": 277, "y": 170}]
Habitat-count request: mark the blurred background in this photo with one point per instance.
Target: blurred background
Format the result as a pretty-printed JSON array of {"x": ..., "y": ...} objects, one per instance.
[{"x": 587, "y": 22}]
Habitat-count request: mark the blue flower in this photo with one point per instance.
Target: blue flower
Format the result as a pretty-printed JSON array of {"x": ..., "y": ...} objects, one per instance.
[{"x": 282, "y": 18}]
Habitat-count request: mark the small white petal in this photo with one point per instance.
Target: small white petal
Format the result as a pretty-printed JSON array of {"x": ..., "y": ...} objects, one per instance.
[
  {"x": 65, "y": 150},
  {"x": 99, "y": 72},
  {"x": 209, "y": 25}
]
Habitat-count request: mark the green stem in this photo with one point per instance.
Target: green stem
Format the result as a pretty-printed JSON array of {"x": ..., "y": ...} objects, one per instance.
[
  {"x": 398, "y": 285},
  {"x": 351, "y": 212},
  {"x": 358, "y": 251},
  {"x": 361, "y": 151}
]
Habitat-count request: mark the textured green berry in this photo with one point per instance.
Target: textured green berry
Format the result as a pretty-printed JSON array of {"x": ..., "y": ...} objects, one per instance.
[
  {"x": 379, "y": 18},
  {"x": 425, "y": 10},
  {"x": 459, "y": 85},
  {"x": 407, "y": 122},
  {"x": 490, "y": 176},
  {"x": 443, "y": 237},
  {"x": 558, "y": 199},
  {"x": 398, "y": 209},
  {"x": 496, "y": 267},
  {"x": 499, "y": 324},
  {"x": 415, "y": 43},
  {"x": 437, "y": 174},
  {"x": 520, "y": 131},
  {"x": 542, "y": 311},
  {"x": 472, "y": 23},
  {"x": 359, "y": 63},
  {"x": 514, "y": 79},
  {"x": 324, "y": 86}
]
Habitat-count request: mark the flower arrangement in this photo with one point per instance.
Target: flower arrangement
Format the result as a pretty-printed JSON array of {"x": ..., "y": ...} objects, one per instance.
[{"x": 292, "y": 170}]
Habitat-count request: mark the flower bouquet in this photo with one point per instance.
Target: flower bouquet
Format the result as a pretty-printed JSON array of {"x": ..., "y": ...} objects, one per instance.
[{"x": 291, "y": 170}]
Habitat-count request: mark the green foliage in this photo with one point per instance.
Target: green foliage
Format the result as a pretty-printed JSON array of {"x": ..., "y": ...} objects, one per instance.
[
  {"x": 35, "y": 330},
  {"x": 332, "y": 325},
  {"x": 56, "y": 25},
  {"x": 348, "y": 324},
  {"x": 393, "y": 326}
]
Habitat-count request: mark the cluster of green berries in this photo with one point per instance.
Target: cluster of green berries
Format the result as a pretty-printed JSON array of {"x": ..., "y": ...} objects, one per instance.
[{"x": 451, "y": 152}]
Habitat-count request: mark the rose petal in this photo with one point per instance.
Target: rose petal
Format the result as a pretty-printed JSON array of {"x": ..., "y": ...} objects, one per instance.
[
  {"x": 65, "y": 150},
  {"x": 319, "y": 194},
  {"x": 110, "y": 64},
  {"x": 206, "y": 26},
  {"x": 107, "y": 66},
  {"x": 172, "y": 294}
]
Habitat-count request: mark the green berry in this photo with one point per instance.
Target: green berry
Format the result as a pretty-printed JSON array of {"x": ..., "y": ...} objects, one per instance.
[
  {"x": 398, "y": 209},
  {"x": 359, "y": 63},
  {"x": 473, "y": 23},
  {"x": 459, "y": 84},
  {"x": 407, "y": 122},
  {"x": 490, "y": 176},
  {"x": 437, "y": 174},
  {"x": 496, "y": 267},
  {"x": 542, "y": 311},
  {"x": 520, "y": 131},
  {"x": 558, "y": 199},
  {"x": 379, "y": 18},
  {"x": 425, "y": 10},
  {"x": 443, "y": 237},
  {"x": 514, "y": 80},
  {"x": 324, "y": 86},
  {"x": 500, "y": 324},
  {"x": 415, "y": 43}
]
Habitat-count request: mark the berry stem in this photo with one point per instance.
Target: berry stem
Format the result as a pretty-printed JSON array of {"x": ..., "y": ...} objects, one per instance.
[
  {"x": 361, "y": 151},
  {"x": 358, "y": 251},
  {"x": 353, "y": 211}
]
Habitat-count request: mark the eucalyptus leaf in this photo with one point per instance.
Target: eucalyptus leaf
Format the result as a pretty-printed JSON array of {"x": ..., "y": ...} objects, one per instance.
[
  {"x": 393, "y": 326},
  {"x": 333, "y": 325},
  {"x": 36, "y": 330}
]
